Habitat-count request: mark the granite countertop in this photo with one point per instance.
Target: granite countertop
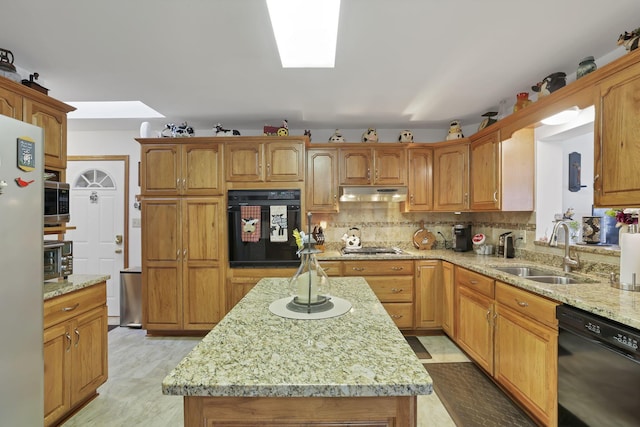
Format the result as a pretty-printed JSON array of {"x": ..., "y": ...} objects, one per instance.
[
  {"x": 253, "y": 352},
  {"x": 55, "y": 288},
  {"x": 595, "y": 296}
]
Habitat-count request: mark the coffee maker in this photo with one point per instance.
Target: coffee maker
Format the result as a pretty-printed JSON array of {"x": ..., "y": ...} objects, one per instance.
[{"x": 462, "y": 237}]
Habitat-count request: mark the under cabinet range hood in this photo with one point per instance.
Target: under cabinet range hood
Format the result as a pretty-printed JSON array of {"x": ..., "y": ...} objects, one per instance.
[{"x": 373, "y": 194}]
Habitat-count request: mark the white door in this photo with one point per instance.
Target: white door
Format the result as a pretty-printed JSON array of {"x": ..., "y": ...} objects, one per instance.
[{"x": 97, "y": 212}]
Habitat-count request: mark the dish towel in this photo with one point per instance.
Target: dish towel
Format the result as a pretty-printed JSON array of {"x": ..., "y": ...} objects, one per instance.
[
  {"x": 279, "y": 232},
  {"x": 250, "y": 227}
]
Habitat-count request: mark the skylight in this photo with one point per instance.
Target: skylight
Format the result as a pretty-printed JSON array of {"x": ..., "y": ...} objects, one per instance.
[
  {"x": 306, "y": 31},
  {"x": 112, "y": 110}
]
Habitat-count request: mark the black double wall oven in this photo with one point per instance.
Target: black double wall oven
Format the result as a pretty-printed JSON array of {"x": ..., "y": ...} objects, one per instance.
[{"x": 261, "y": 223}]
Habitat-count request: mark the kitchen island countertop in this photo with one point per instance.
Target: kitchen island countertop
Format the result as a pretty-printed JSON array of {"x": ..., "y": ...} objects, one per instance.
[{"x": 55, "y": 288}]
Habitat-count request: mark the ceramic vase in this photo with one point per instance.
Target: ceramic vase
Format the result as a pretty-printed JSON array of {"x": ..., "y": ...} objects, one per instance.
[
  {"x": 586, "y": 66},
  {"x": 522, "y": 100}
]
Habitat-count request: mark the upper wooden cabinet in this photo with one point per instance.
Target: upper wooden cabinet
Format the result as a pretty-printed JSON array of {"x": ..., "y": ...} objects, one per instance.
[
  {"x": 259, "y": 160},
  {"x": 420, "y": 179},
  {"x": 617, "y": 141},
  {"x": 26, "y": 104},
  {"x": 502, "y": 173},
  {"x": 180, "y": 167},
  {"x": 322, "y": 180},
  {"x": 451, "y": 177},
  {"x": 378, "y": 166}
]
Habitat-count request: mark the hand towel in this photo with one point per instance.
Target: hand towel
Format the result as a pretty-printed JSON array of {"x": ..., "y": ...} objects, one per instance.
[
  {"x": 279, "y": 232},
  {"x": 250, "y": 226}
]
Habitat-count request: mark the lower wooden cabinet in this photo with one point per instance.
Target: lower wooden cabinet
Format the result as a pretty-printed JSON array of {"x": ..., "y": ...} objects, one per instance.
[
  {"x": 475, "y": 326},
  {"x": 448, "y": 299},
  {"x": 428, "y": 295},
  {"x": 241, "y": 280},
  {"x": 75, "y": 350}
]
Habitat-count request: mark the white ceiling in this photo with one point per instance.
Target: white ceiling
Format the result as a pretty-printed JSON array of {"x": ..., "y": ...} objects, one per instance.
[{"x": 413, "y": 64}]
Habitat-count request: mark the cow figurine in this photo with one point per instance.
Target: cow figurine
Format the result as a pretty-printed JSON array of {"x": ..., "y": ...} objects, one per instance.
[
  {"x": 455, "y": 130},
  {"x": 336, "y": 137},
  {"x": 629, "y": 40},
  {"x": 220, "y": 131},
  {"x": 370, "y": 135},
  {"x": 175, "y": 131},
  {"x": 550, "y": 84},
  {"x": 249, "y": 225},
  {"x": 405, "y": 136}
]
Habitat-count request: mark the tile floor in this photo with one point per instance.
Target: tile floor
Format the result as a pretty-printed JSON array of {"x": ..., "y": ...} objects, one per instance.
[{"x": 137, "y": 365}]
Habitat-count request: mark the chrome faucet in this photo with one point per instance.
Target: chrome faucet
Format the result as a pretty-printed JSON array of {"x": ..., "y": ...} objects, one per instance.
[{"x": 567, "y": 261}]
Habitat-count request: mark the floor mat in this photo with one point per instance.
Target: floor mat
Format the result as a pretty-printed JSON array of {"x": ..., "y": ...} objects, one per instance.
[
  {"x": 472, "y": 399},
  {"x": 418, "y": 348}
]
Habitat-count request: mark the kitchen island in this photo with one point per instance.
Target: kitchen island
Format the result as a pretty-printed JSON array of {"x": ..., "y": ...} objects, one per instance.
[{"x": 256, "y": 367}]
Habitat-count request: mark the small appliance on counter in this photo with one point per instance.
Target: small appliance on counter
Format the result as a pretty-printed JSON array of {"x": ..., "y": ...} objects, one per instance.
[
  {"x": 506, "y": 246},
  {"x": 462, "y": 238}
]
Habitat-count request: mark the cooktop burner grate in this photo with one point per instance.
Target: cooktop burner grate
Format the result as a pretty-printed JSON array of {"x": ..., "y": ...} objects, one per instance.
[{"x": 373, "y": 250}]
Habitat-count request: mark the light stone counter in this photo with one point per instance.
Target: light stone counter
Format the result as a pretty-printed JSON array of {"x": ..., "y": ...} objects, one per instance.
[
  {"x": 254, "y": 353},
  {"x": 55, "y": 288},
  {"x": 597, "y": 296}
]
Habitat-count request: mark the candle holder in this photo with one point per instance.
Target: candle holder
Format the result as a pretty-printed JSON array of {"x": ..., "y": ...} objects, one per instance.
[{"x": 310, "y": 284}]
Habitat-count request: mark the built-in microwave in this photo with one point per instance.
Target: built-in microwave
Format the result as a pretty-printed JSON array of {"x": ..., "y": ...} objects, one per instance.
[
  {"x": 58, "y": 259},
  {"x": 56, "y": 202}
]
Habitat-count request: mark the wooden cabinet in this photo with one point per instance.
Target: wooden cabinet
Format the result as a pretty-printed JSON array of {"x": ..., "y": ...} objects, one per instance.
[
  {"x": 502, "y": 173},
  {"x": 393, "y": 283},
  {"x": 259, "y": 160},
  {"x": 617, "y": 146},
  {"x": 31, "y": 106},
  {"x": 451, "y": 177},
  {"x": 526, "y": 350},
  {"x": 182, "y": 263},
  {"x": 241, "y": 280},
  {"x": 181, "y": 168},
  {"x": 75, "y": 350},
  {"x": 322, "y": 180},
  {"x": 428, "y": 302},
  {"x": 448, "y": 299},
  {"x": 373, "y": 166},
  {"x": 420, "y": 180}
]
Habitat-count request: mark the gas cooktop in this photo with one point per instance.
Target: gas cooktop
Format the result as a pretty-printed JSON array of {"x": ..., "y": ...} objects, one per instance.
[{"x": 372, "y": 250}]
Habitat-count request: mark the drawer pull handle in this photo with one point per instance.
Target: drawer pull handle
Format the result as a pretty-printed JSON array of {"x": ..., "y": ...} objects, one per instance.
[
  {"x": 396, "y": 316},
  {"x": 73, "y": 307},
  {"x": 397, "y": 268},
  {"x": 77, "y": 335},
  {"x": 397, "y": 290},
  {"x": 68, "y": 337},
  {"x": 473, "y": 282},
  {"x": 488, "y": 313},
  {"x": 522, "y": 303},
  {"x": 358, "y": 268}
]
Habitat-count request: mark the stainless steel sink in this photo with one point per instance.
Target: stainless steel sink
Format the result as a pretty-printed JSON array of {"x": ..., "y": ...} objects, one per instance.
[
  {"x": 556, "y": 280},
  {"x": 524, "y": 271}
]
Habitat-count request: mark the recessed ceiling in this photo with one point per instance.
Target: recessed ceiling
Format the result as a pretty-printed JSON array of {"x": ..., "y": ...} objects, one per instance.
[{"x": 413, "y": 64}]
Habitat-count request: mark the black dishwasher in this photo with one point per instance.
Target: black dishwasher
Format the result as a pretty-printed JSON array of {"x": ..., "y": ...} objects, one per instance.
[{"x": 598, "y": 371}]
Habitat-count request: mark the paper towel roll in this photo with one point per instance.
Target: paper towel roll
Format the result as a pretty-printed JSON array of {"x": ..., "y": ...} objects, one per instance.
[{"x": 629, "y": 257}]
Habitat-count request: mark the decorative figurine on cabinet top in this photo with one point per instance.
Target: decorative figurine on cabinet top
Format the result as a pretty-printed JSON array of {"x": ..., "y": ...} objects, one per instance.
[
  {"x": 336, "y": 137},
  {"x": 629, "y": 40},
  {"x": 488, "y": 119},
  {"x": 370, "y": 135},
  {"x": 220, "y": 131},
  {"x": 455, "y": 130},
  {"x": 307, "y": 132},
  {"x": 174, "y": 131},
  {"x": 550, "y": 84},
  {"x": 522, "y": 100},
  {"x": 405, "y": 136},
  {"x": 276, "y": 131}
]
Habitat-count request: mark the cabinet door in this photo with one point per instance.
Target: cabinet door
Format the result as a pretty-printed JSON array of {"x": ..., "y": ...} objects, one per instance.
[
  {"x": 451, "y": 178},
  {"x": 284, "y": 161},
  {"x": 420, "y": 177},
  {"x": 526, "y": 362},
  {"x": 448, "y": 298},
  {"x": 54, "y": 124},
  {"x": 617, "y": 146},
  {"x": 322, "y": 180},
  {"x": 243, "y": 162},
  {"x": 355, "y": 166},
  {"x": 10, "y": 104},
  {"x": 203, "y": 303},
  {"x": 89, "y": 353},
  {"x": 390, "y": 166},
  {"x": 201, "y": 169},
  {"x": 57, "y": 372},
  {"x": 162, "y": 255},
  {"x": 485, "y": 173},
  {"x": 160, "y": 170},
  {"x": 428, "y": 295},
  {"x": 474, "y": 326}
]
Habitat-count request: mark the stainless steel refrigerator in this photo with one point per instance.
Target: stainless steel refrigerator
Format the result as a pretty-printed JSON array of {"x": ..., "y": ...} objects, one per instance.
[{"x": 21, "y": 274}]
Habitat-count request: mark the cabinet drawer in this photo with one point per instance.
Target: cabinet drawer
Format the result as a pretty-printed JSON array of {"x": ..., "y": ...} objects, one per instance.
[
  {"x": 475, "y": 281},
  {"x": 401, "y": 313},
  {"x": 537, "y": 308},
  {"x": 332, "y": 268},
  {"x": 392, "y": 289},
  {"x": 378, "y": 268},
  {"x": 66, "y": 306}
]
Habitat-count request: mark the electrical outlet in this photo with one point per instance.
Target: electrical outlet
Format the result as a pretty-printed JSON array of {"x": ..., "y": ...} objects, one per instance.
[{"x": 135, "y": 222}]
